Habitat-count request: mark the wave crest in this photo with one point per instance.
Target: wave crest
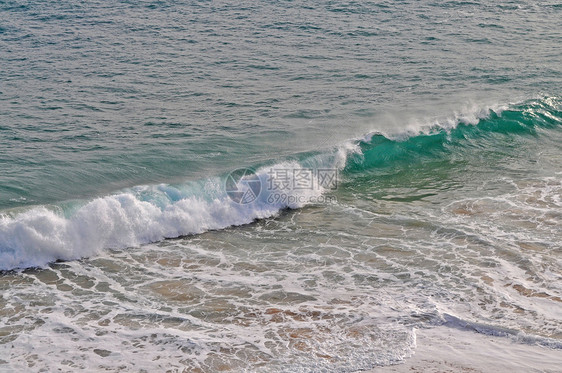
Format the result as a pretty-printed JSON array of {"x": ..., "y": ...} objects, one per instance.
[{"x": 151, "y": 213}]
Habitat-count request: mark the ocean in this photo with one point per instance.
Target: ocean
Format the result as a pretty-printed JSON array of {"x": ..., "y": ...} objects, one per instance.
[{"x": 276, "y": 186}]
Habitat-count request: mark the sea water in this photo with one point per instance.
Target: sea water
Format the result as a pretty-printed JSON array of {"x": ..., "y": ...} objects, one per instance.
[{"x": 275, "y": 185}]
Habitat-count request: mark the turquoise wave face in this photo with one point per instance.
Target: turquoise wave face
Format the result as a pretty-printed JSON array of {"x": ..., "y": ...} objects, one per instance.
[{"x": 495, "y": 130}]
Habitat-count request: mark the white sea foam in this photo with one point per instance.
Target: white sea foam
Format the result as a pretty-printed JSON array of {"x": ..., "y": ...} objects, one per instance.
[
  {"x": 149, "y": 213},
  {"x": 402, "y": 125}
]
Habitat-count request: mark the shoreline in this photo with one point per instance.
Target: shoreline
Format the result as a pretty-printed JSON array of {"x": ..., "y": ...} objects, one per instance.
[{"x": 444, "y": 349}]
